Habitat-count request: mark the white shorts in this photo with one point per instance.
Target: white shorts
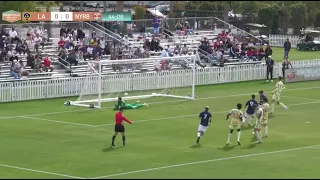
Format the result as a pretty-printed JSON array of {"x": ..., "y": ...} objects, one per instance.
[
  {"x": 202, "y": 128},
  {"x": 129, "y": 26}
]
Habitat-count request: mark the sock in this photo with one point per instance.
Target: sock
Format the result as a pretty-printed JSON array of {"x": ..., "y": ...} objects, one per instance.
[
  {"x": 113, "y": 138},
  {"x": 199, "y": 134},
  {"x": 258, "y": 135},
  {"x": 250, "y": 120},
  {"x": 123, "y": 140},
  {"x": 238, "y": 135},
  {"x": 266, "y": 130},
  {"x": 198, "y": 139},
  {"x": 243, "y": 120},
  {"x": 282, "y": 105},
  {"x": 229, "y": 136},
  {"x": 272, "y": 107}
]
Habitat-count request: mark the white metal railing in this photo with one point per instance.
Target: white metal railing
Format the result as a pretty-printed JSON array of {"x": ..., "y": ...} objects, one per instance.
[
  {"x": 278, "y": 40},
  {"x": 64, "y": 87}
]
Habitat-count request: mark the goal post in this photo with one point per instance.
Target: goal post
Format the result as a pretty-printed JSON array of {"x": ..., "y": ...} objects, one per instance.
[{"x": 160, "y": 78}]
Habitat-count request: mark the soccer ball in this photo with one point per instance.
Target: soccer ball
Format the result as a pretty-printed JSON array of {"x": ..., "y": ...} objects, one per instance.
[{"x": 125, "y": 94}]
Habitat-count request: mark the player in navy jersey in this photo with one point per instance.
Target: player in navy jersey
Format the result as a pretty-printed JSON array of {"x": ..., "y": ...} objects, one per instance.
[
  {"x": 250, "y": 110},
  {"x": 262, "y": 96},
  {"x": 205, "y": 121}
]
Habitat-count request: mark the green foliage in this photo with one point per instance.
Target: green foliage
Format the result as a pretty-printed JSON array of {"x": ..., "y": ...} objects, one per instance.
[
  {"x": 140, "y": 12},
  {"x": 317, "y": 19},
  {"x": 192, "y": 5},
  {"x": 283, "y": 19},
  {"x": 249, "y": 7},
  {"x": 179, "y": 5},
  {"x": 298, "y": 16},
  {"x": 267, "y": 15}
]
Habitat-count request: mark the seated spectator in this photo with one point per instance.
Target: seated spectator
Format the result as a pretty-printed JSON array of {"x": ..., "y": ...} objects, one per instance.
[
  {"x": 188, "y": 28},
  {"x": 184, "y": 49},
  {"x": 47, "y": 64},
  {"x": 177, "y": 48},
  {"x": 260, "y": 53},
  {"x": 147, "y": 44},
  {"x": 14, "y": 70},
  {"x": 13, "y": 35},
  {"x": 72, "y": 58},
  {"x": 37, "y": 41},
  {"x": 38, "y": 65},
  {"x": 12, "y": 55},
  {"x": 61, "y": 43},
  {"x": 250, "y": 53},
  {"x": 89, "y": 53},
  {"x": 20, "y": 48},
  {"x": 178, "y": 27},
  {"x": 164, "y": 53},
  {"x": 102, "y": 45},
  {"x": 21, "y": 69},
  {"x": 30, "y": 60},
  {"x": 3, "y": 55}
]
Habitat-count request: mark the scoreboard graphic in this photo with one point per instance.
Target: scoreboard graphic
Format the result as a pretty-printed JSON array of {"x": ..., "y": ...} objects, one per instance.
[
  {"x": 61, "y": 16},
  {"x": 13, "y": 16}
]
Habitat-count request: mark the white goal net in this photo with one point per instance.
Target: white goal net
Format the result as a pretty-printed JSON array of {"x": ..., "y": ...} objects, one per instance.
[{"x": 161, "y": 79}]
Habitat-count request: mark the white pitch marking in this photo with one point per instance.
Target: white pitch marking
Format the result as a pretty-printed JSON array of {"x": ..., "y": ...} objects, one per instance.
[
  {"x": 193, "y": 115},
  {"x": 205, "y": 161},
  {"x": 293, "y": 97},
  {"x": 39, "y": 171},
  {"x": 160, "y": 102},
  {"x": 63, "y": 122}
]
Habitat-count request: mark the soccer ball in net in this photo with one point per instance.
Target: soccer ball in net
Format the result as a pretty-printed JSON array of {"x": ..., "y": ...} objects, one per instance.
[{"x": 125, "y": 94}]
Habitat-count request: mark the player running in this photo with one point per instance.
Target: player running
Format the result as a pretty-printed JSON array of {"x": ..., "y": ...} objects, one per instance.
[
  {"x": 124, "y": 105},
  {"x": 118, "y": 127},
  {"x": 276, "y": 95},
  {"x": 265, "y": 108},
  {"x": 237, "y": 117},
  {"x": 257, "y": 129},
  {"x": 205, "y": 121},
  {"x": 250, "y": 110},
  {"x": 262, "y": 96}
]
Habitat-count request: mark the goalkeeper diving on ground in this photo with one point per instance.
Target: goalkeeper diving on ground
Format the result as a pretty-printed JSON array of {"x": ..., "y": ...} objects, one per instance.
[{"x": 125, "y": 105}]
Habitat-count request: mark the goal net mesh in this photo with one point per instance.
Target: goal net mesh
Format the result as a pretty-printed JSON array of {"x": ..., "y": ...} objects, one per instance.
[{"x": 161, "y": 79}]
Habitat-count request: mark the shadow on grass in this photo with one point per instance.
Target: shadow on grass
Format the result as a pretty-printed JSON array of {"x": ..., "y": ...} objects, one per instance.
[
  {"x": 250, "y": 146},
  {"x": 227, "y": 147},
  {"x": 245, "y": 128},
  {"x": 111, "y": 148},
  {"x": 196, "y": 146}
]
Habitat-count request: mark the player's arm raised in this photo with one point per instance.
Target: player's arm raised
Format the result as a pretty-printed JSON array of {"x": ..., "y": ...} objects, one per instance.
[{"x": 127, "y": 120}]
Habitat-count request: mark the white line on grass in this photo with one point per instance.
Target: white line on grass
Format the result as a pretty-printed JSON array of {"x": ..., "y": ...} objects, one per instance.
[
  {"x": 39, "y": 171},
  {"x": 160, "y": 102},
  {"x": 205, "y": 161},
  {"x": 63, "y": 122},
  {"x": 195, "y": 115},
  {"x": 303, "y": 98}
]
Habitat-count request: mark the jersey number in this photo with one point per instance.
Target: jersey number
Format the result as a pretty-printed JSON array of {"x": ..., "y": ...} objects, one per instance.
[
  {"x": 205, "y": 116},
  {"x": 251, "y": 103}
]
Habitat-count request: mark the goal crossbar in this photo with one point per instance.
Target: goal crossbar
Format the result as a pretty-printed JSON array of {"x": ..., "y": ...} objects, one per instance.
[{"x": 189, "y": 59}]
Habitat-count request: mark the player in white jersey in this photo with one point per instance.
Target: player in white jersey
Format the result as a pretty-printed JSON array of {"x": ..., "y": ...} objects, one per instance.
[
  {"x": 257, "y": 129},
  {"x": 276, "y": 95}
]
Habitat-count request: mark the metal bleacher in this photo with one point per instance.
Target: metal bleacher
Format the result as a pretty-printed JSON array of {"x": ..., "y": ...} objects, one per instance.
[{"x": 51, "y": 49}]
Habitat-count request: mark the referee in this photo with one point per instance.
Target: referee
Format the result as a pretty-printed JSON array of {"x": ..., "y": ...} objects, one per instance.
[
  {"x": 118, "y": 127},
  {"x": 269, "y": 63}
]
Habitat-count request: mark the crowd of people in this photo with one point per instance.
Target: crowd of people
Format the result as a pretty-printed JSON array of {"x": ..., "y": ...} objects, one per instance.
[{"x": 74, "y": 46}]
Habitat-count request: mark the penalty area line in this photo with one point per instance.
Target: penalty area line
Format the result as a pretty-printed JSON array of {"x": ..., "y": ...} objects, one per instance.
[
  {"x": 39, "y": 171},
  {"x": 206, "y": 161}
]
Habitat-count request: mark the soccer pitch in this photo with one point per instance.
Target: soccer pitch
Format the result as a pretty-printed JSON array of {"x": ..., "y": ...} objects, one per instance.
[{"x": 45, "y": 139}]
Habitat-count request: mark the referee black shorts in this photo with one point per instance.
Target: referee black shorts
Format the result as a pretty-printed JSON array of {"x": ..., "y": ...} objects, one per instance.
[{"x": 119, "y": 128}]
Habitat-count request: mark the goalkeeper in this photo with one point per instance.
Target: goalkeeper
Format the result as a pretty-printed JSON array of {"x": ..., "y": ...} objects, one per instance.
[{"x": 124, "y": 105}]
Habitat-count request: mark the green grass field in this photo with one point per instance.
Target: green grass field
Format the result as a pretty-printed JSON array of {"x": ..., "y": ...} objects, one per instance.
[
  {"x": 45, "y": 139},
  {"x": 294, "y": 55}
]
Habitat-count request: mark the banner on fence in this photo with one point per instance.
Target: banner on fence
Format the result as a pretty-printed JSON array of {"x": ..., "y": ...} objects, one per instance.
[{"x": 302, "y": 74}]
